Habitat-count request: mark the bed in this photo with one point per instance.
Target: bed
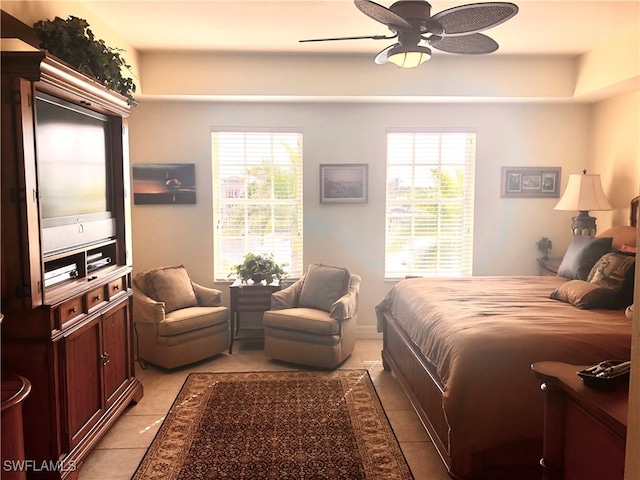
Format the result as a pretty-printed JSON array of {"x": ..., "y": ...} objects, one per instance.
[{"x": 462, "y": 348}]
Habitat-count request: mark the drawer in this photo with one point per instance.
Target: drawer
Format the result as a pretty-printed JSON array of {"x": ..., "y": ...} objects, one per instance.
[
  {"x": 253, "y": 298},
  {"x": 95, "y": 297},
  {"x": 255, "y": 303},
  {"x": 116, "y": 287},
  {"x": 70, "y": 310}
]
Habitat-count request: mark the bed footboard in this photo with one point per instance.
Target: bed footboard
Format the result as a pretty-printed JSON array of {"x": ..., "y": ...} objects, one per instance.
[
  {"x": 420, "y": 383},
  {"x": 419, "y": 380}
]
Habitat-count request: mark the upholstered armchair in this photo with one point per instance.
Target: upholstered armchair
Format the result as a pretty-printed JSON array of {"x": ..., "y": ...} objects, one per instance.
[
  {"x": 313, "y": 321},
  {"x": 177, "y": 321}
]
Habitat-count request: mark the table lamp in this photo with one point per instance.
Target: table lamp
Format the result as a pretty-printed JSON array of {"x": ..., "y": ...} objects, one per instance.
[{"x": 583, "y": 193}]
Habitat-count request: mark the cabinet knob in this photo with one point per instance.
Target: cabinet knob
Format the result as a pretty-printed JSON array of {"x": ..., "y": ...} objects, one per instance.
[
  {"x": 105, "y": 358},
  {"x": 116, "y": 287},
  {"x": 74, "y": 310},
  {"x": 98, "y": 297}
]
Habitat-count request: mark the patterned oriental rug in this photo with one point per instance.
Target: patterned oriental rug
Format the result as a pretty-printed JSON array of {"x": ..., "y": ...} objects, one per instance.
[{"x": 275, "y": 425}]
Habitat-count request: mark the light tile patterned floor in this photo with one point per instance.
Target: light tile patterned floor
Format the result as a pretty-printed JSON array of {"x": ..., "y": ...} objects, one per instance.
[{"x": 118, "y": 454}]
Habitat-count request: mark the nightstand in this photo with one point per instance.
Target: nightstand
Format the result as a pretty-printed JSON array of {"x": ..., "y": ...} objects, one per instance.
[
  {"x": 585, "y": 428},
  {"x": 247, "y": 298},
  {"x": 549, "y": 266}
]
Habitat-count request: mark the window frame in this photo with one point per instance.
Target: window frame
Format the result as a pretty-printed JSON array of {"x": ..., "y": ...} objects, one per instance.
[
  {"x": 394, "y": 208},
  {"x": 224, "y": 260}
]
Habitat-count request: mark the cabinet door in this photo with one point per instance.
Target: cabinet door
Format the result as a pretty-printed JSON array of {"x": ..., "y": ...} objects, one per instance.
[
  {"x": 21, "y": 269},
  {"x": 82, "y": 366},
  {"x": 116, "y": 354}
]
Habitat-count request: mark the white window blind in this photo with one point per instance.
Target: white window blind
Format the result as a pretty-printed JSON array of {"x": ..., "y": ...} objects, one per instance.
[
  {"x": 429, "y": 206},
  {"x": 257, "y": 195}
]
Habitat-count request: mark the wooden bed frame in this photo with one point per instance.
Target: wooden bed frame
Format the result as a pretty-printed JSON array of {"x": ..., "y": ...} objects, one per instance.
[{"x": 419, "y": 380}]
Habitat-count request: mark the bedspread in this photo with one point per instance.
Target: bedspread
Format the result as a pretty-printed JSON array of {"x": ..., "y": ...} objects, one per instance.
[{"x": 483, "y": 333}]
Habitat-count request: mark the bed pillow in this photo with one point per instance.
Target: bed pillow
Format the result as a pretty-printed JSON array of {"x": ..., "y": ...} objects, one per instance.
[
  {"x": 323, "y": 285},
  {"x": 171, "y": 285},
  {"x": 582, "y": 254},
  {"x": 616, "y": 270},
  {"x": 627, "y": 248},
  {"x": 585, "y": 295},
  {"x": 621, "y": 234}
]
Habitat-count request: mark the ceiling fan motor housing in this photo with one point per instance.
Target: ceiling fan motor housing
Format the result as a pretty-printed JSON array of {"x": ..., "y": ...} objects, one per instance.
[
  {"x": 418, "y": 14},
  {"x": 412, "y": 9}
]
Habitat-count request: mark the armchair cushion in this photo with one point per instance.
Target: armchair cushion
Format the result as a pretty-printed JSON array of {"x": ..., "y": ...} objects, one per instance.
[
  {"x": 171, "y": 285},
  {"x": 323, "y": 285},
  {"x": 188, "y": 320},
  {"x": 308, "y": 320}
]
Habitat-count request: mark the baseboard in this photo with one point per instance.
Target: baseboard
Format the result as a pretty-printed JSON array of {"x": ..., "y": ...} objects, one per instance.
[{"x": 365, "y": 332}]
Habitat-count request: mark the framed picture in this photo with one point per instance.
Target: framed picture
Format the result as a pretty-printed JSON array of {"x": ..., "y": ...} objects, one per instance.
[
  {"x": 344, "y": 183},
  {"x": 164, "y": 183},
  {"x": 531, "y": 182}
]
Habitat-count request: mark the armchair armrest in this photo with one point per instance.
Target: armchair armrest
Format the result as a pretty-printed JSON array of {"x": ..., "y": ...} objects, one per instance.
[
  {"x": 207, "y": 297},
  {"x": 146, "y": 309},
  {"x": 287, "y": 297},
  {"x": 347, "y": 305}
]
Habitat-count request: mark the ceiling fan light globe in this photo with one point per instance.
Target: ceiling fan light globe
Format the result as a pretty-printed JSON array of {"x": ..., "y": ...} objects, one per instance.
[{"x": 408, "y": 57}]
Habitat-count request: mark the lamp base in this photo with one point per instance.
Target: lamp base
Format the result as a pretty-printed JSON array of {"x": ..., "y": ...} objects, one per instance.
[{"x": 583, "y": 224}]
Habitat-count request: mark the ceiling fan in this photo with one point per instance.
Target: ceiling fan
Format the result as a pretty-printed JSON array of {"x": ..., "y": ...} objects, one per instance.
[{"x": 455, "y": 30}]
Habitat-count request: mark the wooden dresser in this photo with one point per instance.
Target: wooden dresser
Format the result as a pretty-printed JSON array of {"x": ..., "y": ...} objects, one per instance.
[{"x": 585, "y": 428}]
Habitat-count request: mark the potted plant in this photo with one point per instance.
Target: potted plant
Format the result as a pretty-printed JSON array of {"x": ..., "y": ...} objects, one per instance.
[
  {"x": 544, "y": 247},
  {"x": 259, "y": 268},
  {"x": 73, "y": 41}
]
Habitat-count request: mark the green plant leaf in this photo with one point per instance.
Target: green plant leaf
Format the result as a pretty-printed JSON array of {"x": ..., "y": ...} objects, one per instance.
[{"x": 73, "y": 41}]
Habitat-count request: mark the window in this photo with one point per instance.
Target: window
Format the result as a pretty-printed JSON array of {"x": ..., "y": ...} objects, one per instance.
[
  {"x": 429, "y": 208},
  {"x": 257, "y": 196}
]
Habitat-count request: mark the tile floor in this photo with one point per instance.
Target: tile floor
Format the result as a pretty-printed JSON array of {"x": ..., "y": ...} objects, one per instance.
[{"x": 119, "y": 452}]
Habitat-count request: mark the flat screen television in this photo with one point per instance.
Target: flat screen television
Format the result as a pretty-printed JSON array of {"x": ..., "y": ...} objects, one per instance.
[{"x": 74, "y": 174}]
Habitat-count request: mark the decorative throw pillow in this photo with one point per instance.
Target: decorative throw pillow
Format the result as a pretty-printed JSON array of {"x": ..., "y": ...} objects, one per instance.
[
  {"x": 171, "y": 285},
  {"x": 585, "y": 295},
  {"x": 582, "y": 254},
  {"x": 615, "y": 270},
  {"x": 323, "y": 285}
]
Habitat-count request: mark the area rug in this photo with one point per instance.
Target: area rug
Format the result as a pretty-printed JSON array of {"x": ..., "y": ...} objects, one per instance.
[{"x": 275, "y": 425}]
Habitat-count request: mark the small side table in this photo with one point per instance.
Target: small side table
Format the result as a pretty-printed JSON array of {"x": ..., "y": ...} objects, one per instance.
[
  {"x": 549, "y": 266},
  {"x": 584, "y": 428},
  {"x": 247, "y": 298},
  {"x": 14, "y": 391}
]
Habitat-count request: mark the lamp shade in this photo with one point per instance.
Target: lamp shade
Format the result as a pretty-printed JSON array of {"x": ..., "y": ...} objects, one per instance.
[{"x": 584, "y": 193}]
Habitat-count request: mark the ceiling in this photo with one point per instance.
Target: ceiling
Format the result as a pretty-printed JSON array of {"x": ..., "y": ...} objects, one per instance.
[{"x": 540, "y": 27}]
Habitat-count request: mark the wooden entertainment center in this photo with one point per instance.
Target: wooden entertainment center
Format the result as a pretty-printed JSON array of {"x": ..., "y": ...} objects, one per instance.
[{"x": 66, "y": 303}]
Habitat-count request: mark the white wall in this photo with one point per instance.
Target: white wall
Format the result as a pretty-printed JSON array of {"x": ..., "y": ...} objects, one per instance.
[
  {"x": 352, "y": 235},
  {"x": 615, "y": 153}
]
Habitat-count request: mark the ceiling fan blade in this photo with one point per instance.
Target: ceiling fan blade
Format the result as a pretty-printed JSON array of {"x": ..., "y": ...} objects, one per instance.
[
  {"x": 368, "y": 37},
  {"x": 382, "y": 14},
  {"x": 382, "y": 57},
  {"x": 473, "y": 44},
  {"x": 474, "y": 18}
]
